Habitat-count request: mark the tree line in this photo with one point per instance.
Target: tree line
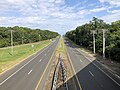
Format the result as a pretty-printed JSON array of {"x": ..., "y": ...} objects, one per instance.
[
  {"x": 83, "y": 35},
  {"x": 23, "y": 35}
]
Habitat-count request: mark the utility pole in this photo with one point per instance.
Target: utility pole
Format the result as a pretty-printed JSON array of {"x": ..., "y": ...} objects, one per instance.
[
  {"x": 94, "y": 41},
  {"x": 11, "y": 31},
  {"x": 103, "y": 43},
  {"x": 22, "y": 40},
  {"x": 39, "y": 37}
]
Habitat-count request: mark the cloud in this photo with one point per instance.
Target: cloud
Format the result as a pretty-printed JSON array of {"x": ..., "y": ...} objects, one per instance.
[
  {"x": 111, "y": 2},
  {"x": 115, "y": 15},
  {"x": 46, "y": 9},
  {"x": 114, "y": 11},
  {"x": 98, "y": 9},
  {"x": 56, "y": 15}
]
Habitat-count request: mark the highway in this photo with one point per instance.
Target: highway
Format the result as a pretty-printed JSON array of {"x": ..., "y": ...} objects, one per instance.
[
  {"x": 31, "y": 73},
  {"x": 87, "y": 73}
]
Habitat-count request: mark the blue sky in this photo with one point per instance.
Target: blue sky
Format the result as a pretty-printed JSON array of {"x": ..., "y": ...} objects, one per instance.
[{"x": 57, "y": 15}]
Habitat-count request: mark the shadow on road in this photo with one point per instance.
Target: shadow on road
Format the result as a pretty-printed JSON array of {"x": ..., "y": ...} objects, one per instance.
[
  {"x": 90, "y": 79},
  {"x": 89, "y": 76}
]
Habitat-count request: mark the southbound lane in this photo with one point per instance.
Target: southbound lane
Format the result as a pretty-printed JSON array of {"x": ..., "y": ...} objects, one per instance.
[{"x": 31, "y": 73}]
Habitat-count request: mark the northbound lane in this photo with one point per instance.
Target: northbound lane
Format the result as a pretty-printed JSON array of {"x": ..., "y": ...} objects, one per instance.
[{"x": 88, "y": 75}]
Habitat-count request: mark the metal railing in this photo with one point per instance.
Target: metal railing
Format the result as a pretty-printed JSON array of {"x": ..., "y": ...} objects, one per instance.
[{"x": 55, "y": 76}]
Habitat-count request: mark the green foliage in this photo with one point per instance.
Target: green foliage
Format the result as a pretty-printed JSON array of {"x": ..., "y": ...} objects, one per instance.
[
  {"x": 23, "y": 35},
  {"x": 82, "y": 35},
  {"x": 115, "y": 54}
]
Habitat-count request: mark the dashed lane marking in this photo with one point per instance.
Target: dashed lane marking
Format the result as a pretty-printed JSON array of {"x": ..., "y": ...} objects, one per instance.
[
  {"x": 91, "y": 73},
  {"x": 30, "y": 71}
]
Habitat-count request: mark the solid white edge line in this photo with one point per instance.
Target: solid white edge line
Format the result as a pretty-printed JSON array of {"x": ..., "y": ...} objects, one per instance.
[
  {"x": 30, "y": 71},
  {"x": 107, "y": 75},
  {"x": 23, "y": 65}
]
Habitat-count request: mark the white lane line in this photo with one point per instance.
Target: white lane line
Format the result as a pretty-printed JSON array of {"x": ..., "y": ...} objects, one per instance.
[
  {"x": 81, "y": 60},
  {"x": 107, "y": 75},
  {"x": 40, "y": 60},
  {"x": 91, "y": 73},
  {"x": 30, "y": 71},
  {"x": 101, "y": 70},
  {"x": 23, "y": 66}
]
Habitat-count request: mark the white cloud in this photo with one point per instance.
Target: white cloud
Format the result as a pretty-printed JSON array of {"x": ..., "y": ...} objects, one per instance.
[
  {"x": 47, "y": 14},
  {"x": 40, "y": 7},
  {"x": 112, "y": 2},
  {"x": 115, "y": 11},
  {"x": 111, "y": 17},
  {"x": 98, "y": 9}
]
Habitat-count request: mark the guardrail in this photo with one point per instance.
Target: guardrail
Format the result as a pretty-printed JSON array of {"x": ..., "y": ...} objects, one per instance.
[{"x": 55, "y": 76}]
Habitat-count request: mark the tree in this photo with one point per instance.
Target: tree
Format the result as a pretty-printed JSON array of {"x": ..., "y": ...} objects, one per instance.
[
  {"x": 82, "y": 36},
  {"x": 24, "y": 34}
]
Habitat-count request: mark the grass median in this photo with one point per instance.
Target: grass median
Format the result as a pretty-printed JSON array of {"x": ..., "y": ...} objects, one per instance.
[
  {"x": 61, "y": 47},
  {"x": 21, "y": 52}
]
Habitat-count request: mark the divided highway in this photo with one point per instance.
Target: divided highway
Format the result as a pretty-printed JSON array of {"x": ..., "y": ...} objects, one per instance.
[
  {"x": 31, "y": 73},
  {"x": 89, "y": 75}
]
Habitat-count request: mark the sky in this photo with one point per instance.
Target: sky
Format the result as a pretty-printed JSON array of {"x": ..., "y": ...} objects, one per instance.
[{"x": 56, "y": 15}]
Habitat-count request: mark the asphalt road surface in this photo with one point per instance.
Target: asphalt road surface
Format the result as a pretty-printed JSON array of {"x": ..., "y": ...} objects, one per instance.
[
  {"x": 31, "y": 73},
  {"x": 89, "y": 74}
]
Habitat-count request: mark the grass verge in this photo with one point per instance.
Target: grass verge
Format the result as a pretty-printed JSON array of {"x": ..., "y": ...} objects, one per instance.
[{"x": 21, "y": 52}]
